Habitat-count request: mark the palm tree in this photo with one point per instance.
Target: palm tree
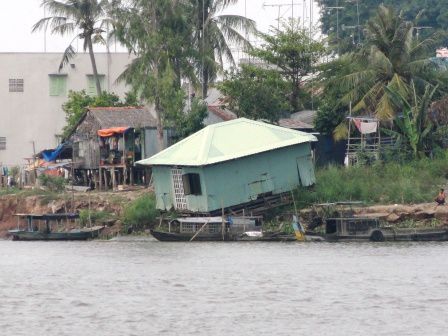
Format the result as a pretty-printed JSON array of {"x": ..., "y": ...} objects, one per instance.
[
  {"x": 212, "y": 35},
  {"x": 391, "y": 59},
  {"x": 413, "y": 128},
  {"x": 159, "y": 36},
  {"x": 89, "y": 16}
]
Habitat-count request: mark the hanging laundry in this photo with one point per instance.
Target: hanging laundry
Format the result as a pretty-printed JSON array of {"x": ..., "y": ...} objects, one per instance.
[{"x": 365, "y": 127}]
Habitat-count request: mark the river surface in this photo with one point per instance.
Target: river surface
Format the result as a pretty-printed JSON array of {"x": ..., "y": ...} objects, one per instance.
[{"x": 144, "y": 287}]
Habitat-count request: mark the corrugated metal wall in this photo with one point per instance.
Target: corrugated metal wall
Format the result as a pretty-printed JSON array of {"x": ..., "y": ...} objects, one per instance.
[{"x": 242, "y": 180}]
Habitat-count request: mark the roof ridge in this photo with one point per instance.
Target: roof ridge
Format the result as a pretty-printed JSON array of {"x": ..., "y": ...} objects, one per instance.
[{"x": 195, "y": 149}]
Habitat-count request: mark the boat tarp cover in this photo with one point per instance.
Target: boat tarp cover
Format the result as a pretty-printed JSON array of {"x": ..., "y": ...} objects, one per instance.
[
  {"x": 107, "y": 132},
  {"x": 51, "y": 155}
]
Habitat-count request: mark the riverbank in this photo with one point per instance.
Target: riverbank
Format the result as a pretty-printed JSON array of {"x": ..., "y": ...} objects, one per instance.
[
  {"x": 105, "y": 207},
  {"x": 109, "y": 209}
]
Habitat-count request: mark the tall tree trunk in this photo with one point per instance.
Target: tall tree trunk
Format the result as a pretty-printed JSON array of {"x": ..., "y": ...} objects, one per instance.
[
  {"x": 92, "y": 60},
  {"x": 294, "y": 96},
  {"x": 204, "y": 83},
  {"x": 159, "y": 125}
]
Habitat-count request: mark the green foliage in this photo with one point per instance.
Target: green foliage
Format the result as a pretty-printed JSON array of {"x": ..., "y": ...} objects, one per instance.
[
  {"x": 95, "y": 217},
  {"x": 412, "y": 182},
  {"x": 52, "y": 183},
  {"x": 14, "y": 172},
  {"x": 295, "y": 55},
  {"x": 255, "y": 93},
  {"x": 140, "y": 213},
  {"x": 414, "y": 125},
  {"x": 332, "y": 109},
  {"x": 434, "y": 15},
  {"x": 390, "y": 60},
  {"x": 328, "y": 116},
  {"x": 159, "y": 34},
  {"x": 78, "y": 101},
  {"x": 211, "y": 34},
  {"x": 191, "y": 121}
]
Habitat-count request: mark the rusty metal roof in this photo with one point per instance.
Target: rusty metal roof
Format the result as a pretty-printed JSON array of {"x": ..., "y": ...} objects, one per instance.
[
  {"x": 126, "y": 116},
  {"x": 294, "y": 124}
]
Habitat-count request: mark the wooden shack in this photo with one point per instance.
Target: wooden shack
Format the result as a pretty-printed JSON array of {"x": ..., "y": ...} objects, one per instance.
[
  {"x": 108, "y": 140},
  {"x": 229, "y": 164}
]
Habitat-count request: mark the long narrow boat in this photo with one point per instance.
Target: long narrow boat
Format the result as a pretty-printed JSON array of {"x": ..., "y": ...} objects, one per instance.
[
  {"x": 343, "y": 225},
  {"x": 35, "y": 231},
  {"x": 228, "y": 228}
]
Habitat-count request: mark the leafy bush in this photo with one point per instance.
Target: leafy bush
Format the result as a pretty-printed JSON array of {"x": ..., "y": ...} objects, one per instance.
[
  {"x": 140, "y": 213},
  {"x": 52, "y": 183}
]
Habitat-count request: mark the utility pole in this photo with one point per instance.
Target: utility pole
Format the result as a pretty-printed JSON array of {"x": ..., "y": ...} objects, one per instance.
[
  {"x": 279, "y": 6},
  {"x": 344, "y": 27},
  {"x": 357, "y": 14},
  {"x": 337, "y": 7},
  {"x": 45, "y": 30},
  {"x": 418, "y": 28},
  {"x": 34, "y": 162},
  {"x": 357, "y": 20}
]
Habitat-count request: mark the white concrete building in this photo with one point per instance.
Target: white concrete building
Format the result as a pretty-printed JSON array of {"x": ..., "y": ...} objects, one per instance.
[{"x": 32, "y": 92}]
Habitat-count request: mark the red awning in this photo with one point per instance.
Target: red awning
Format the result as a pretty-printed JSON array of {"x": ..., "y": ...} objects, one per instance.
[{"x": 107, "y": 132}]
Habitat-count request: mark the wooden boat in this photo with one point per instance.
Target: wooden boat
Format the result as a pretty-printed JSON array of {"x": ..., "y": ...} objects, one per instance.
[
  {"x": 347, "y": 227},
  {"x": 229, "y": 228},
  {"x": 35, "y": 231}
]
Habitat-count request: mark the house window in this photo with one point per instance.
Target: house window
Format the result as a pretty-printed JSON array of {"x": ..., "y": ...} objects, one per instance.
[
  {"x": 91, "y": 84},
  {"x": 16, "y": 85},
  {"x": 2, "y": 143},
  {"x": 192, "y": 184},
  {"x": 58, "y": 85}
]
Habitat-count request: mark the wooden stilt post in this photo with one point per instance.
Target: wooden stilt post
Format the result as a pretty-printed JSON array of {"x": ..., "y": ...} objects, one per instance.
[
  {"x": 106, "y": 184},
  {"x": 114, "y": 182}
]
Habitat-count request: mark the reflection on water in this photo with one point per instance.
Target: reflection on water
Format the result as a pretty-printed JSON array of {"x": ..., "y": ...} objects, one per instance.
[{"x": 144, "y": 287}]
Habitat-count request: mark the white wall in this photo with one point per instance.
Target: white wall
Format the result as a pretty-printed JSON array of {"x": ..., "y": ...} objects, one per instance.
[{"x": 34, "y": 115}]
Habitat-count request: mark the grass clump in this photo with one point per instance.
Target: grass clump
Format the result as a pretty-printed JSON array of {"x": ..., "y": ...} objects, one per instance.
[
  {"x": 384, "y": 183},
  {"x": 140, "y": 213},
  {"x": 95, "y": 217}
]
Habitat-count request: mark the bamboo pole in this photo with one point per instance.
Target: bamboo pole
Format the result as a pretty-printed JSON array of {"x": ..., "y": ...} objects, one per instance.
[
  {"x": 200, "y": 230},
  {"x": 222, "y": 218}
]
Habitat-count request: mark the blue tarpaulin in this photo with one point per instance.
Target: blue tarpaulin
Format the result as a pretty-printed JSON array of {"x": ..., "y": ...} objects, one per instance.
[{"x": 50, "y": 155}]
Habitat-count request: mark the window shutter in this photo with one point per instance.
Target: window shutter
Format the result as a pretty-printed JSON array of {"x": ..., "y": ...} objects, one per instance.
[
  {"x": 91, "y": 88},
  {"x": 58, "y": 85},
  {"x": 62, "y": 85},
  {"x": 53, "y": 85},
  {"x": 195, "y": 184},
  {"x": 186, "y": 183}
]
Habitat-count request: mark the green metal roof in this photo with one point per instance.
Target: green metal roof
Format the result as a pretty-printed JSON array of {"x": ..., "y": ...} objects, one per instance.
[{"x": 227, "y": 141}]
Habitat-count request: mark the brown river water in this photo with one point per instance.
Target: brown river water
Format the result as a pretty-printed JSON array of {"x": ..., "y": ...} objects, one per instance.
[{"x": 144, "y": 287}]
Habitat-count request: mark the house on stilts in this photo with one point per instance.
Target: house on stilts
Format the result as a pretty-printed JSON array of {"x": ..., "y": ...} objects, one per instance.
[{"x": 107, "y": 142}]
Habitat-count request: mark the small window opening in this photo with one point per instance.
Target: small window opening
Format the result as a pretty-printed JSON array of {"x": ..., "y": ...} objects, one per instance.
[{"x": 192, "y": 184}]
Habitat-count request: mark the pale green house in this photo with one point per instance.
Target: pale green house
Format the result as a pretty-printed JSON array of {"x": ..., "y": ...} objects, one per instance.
[{"x": 231, "y": 163}]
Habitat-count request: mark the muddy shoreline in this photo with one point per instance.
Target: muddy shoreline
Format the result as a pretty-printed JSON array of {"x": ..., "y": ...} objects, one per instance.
[{"x": 402, "y": 215}]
